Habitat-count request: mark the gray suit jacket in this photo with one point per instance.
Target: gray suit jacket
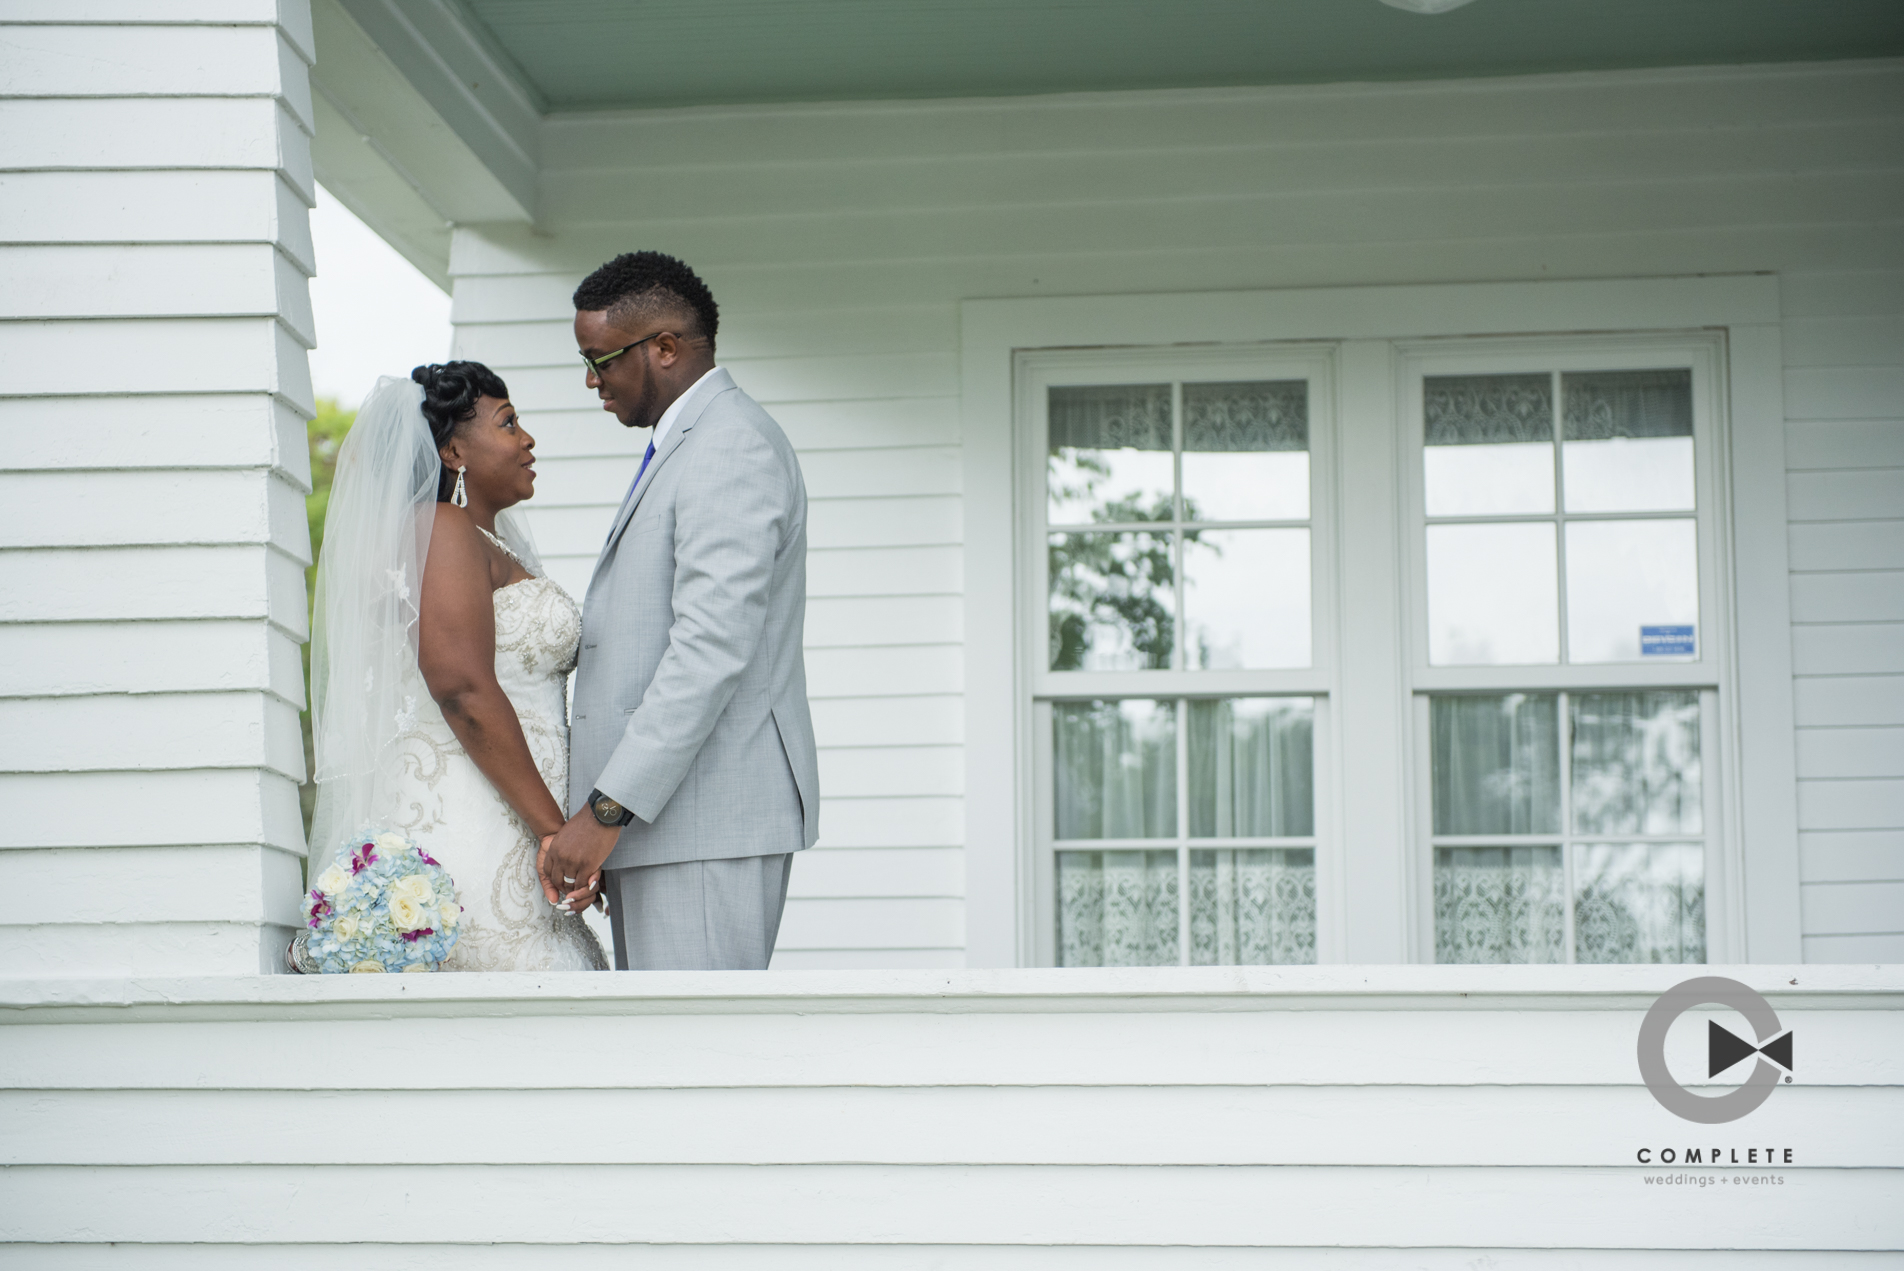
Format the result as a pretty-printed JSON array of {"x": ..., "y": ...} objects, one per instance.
[{"x": 691, "y": 690}]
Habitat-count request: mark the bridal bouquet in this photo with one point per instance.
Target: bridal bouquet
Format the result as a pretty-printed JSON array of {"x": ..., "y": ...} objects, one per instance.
[{"x": 385, "y": 907}]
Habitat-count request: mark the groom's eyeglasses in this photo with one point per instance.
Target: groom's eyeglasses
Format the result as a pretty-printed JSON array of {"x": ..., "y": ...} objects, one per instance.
[{"x": 596, "y": 363}]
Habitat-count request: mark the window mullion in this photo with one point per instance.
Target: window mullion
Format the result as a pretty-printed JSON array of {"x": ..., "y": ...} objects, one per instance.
[
  {"x": 1183, "y": 832},
  {"x": 1560, "y": 523},
  {"x": 1564, "y": 722},
  {"x": 1179, "y": 653}
]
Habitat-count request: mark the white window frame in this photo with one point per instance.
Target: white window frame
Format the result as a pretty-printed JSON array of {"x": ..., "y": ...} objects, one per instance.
[
  {"x": 1702, "y": 353},
  {"x": 1375, "y": 909},
  {"x": 1035, "y": 373}
]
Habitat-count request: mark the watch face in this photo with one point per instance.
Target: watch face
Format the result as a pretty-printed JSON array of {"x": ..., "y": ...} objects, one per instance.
[{"x": 607, "y": 811}]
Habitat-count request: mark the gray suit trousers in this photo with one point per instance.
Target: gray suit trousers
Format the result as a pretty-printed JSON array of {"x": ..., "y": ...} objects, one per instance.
[{"x": 720, "y": 915}]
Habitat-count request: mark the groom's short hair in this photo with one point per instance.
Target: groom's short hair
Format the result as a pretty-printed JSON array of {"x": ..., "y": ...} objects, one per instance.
[{"x": 647, "y": 285}]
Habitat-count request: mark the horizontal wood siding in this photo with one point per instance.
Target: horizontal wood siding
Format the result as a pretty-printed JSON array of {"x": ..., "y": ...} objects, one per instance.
[
  {"x": 1418, "y": 1117},
  {"x": 154, "y": 321},
  {"x": 1844, "y": 355},
  {"x": 840, "y": 239}
]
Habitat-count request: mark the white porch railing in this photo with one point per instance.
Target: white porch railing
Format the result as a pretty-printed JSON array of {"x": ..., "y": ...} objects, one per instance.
[{"x": 1418, "y": 1116}]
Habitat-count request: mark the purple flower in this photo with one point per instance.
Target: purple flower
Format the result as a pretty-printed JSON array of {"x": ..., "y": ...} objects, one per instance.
[
  {"x": 426, "y": 857},
  {"x": 414, "y": 936},
  {"x": 362, "y": 857}
]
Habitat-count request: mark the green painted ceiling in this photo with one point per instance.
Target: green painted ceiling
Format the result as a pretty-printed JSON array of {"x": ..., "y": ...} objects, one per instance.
[{"x": 592, "y": 54}]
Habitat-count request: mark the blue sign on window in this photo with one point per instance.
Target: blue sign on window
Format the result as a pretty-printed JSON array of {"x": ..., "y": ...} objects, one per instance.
[{"x": 1666, "y": 642}]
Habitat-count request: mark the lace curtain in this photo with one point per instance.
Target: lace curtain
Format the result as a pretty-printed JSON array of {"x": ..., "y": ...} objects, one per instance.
[
  {"x": 1117, "y": 908},
  {"x": 1599, "y": 405},
  {"x": 1474, "y": 410},
  {"x": 1252, "y": 907},
  {"x": 1109, "y": 417},
  {"x": 1499, "y": 904},
  {"x": 1263, "y": 415},
  {"x": 1633, "y": 762},
  {"x": 1248, "y": 907},
  {"x": 1640, "y": 902}
]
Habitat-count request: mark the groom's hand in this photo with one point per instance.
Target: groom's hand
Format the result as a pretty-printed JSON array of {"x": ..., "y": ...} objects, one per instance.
[{"x": 576, "y": 852}]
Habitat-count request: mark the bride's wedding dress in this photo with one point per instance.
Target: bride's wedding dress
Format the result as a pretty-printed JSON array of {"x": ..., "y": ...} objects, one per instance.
[{"x": 446, "y": 804}]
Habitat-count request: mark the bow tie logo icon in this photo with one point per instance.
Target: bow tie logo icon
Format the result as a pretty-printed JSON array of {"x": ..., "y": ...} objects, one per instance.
[{"x": 1724, "y": 1049}]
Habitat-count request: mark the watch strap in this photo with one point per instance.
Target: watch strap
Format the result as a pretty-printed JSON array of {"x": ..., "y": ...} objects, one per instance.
[{"x": 596, "y": 800}]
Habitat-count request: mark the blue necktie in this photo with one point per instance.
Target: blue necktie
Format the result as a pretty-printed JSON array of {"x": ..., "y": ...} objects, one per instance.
[
  {"x": 638, "y": 471},
  {"x": 632, "y": 484}
]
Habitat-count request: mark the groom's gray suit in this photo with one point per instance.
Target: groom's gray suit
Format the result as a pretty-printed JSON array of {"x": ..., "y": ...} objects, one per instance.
[{"x": 691, "y": 693}]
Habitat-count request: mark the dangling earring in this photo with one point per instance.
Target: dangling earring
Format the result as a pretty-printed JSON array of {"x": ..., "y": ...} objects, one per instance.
[{"x": 459, "y": 497}]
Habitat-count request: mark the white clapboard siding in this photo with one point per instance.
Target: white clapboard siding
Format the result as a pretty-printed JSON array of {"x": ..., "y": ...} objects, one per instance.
[
  {"x": 840, "y": 239},
  {"x": 1844, "y": 353},
  {"x": 155, "y": 181},
  {"x": 1311, "y": 1117}
]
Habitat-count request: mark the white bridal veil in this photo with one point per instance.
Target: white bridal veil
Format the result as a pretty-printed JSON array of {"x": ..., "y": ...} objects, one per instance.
[{"x": 366, "y": 690}]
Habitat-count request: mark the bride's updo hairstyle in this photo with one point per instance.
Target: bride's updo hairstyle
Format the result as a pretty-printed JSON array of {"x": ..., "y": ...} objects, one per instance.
[{"x": 450, "y": 390}]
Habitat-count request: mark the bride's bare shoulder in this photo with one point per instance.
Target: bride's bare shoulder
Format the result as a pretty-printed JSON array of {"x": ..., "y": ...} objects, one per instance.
[
  {"x": 454, "y": 542},
  {"x": 453, "y": 520}
]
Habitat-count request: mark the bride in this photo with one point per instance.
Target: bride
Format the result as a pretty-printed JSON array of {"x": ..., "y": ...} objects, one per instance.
[{"x": 439, "y": 657}]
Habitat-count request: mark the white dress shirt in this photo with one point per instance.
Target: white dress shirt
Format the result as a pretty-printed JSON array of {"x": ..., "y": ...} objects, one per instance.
[{"x": 673, "y": 411}]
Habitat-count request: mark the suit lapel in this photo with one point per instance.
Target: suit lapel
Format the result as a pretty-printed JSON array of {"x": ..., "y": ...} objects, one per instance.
[{"x": 704, "y": 393}]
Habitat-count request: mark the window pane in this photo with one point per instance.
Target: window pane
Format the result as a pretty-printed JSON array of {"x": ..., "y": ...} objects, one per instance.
[
  {"x": 1496, "y": 764},
  {"x": 1116, "y": 769},
  {"x": 1600, "y": 405},
  {"x": 1113, "y": 602},
  {"x": 1109, "y": 454},
  {"x": 1625, "y": 575},
  {"x": 1639, "y": 902},
  {"x": 1488, "y": 480},
  {"x": 1628, "y": 441},
  {"x": 1492, "y": 594},
  {"x": 1246, "y": 598},
  {"x": 1649, "y": 475},
  {"x": 1490, "y": 444},
  {"x": 1252, "y": 764},
  {"x": 1253, "y": 907},
  {"x": 1245, "y": 451},
  {"x": 1499, "y": 904},
  {"x": 1117, "y": 908},
  {"x": 1636, "y": 763}
]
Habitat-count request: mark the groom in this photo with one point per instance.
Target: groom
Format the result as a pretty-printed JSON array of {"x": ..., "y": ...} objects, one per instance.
[{"x": 692, "y": 770}]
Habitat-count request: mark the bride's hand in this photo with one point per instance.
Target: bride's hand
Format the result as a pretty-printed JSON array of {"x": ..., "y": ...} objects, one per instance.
[{"x": 582, "y": 897}]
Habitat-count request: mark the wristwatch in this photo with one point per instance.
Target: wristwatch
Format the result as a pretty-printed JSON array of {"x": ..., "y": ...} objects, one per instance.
[{"x": 607, "y": 811}]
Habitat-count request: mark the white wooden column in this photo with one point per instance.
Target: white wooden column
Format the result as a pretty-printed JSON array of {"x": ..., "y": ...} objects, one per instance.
[{"x": 155, "y": 183}]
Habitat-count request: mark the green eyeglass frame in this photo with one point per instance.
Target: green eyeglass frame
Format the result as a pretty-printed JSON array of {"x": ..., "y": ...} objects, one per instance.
[{"x": 596, "y": 363}]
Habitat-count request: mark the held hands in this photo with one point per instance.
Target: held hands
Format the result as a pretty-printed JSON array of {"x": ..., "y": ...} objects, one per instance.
[{"x": 575, "y": 852}]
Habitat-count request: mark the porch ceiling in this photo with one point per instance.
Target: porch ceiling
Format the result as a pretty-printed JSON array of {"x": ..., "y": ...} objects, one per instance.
[{"x": 602, "y": 54}]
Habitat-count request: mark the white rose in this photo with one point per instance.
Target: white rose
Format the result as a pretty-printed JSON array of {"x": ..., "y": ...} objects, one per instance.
[
  {"x": 419, "y": 966},
  {"x": 452, "y": 914},
  {"x": 407, "y": 914},
  {"x": 345, "y": 926},
  {"x": 366, "y": 967},
  {"x": 333, "y": 880},
  {"x": 414, "y": 886},
  {"x": 393, "y": 842}
]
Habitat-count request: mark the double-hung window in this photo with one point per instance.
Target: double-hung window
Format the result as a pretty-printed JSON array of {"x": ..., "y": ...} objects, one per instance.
[
  {"x": 1566, "y": 665},
  {"x": 1389, "y": 647},
  {"x": 1178, "y": 507}
]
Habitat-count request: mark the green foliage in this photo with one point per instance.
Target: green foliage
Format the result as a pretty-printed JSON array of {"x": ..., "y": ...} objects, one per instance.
[
  {"x": 1125, "y": 580},
  {"x": 324, "y": 434}
]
